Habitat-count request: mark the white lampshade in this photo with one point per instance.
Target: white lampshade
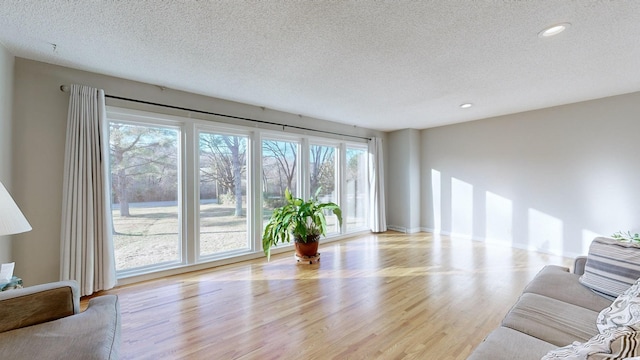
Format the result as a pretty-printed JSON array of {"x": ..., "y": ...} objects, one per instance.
[{"x": 11, "y": 219}]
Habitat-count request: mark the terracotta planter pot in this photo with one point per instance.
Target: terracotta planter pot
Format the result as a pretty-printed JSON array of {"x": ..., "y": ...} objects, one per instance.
[{"x": 310, "y": 248}]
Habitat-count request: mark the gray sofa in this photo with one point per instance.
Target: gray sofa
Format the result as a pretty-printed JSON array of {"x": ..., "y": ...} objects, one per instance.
[
  {"x": 554, "y": 310},
  {"x": 45, "y": 322}
]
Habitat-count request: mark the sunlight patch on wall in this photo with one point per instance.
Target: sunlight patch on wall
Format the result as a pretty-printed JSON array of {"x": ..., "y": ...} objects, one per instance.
[
  {"x": 499, "y": 218},
  {"x": 461, "y": 208},
  {"x": 436, "y": 195},
  {"x": 545, "y": 232}
]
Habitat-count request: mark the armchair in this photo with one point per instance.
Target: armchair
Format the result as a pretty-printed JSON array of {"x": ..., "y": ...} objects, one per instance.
[{"x": 44, "y": 321}]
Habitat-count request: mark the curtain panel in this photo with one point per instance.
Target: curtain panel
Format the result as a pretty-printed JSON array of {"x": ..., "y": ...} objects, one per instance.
[
  {"x": 377, "y": 215},
  {"x": 87, "y": 253}
]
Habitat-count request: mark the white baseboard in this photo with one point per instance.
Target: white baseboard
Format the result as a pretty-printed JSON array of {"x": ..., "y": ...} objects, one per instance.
[
  {"x": 404, "y": 229},
  {"x": 397, "y": 228}
]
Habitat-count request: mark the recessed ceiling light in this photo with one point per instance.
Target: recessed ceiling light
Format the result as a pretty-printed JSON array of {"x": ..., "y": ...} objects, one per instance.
[
  {"x": 466, "y": 105},
  {"x": 553, "y": 30}
]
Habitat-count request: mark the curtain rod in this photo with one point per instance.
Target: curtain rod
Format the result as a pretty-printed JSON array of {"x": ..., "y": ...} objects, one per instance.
[{"x": 66, "y": 88}]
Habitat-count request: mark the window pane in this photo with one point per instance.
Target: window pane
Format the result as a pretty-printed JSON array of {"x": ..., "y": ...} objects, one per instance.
[
  {"x": 322, "y": 175},
  {"x": 279, "y": 172},
  {"x": 223, "y": 193},
  {"x": 144, "y": 183},
  {"x": 355, "y": 209}
]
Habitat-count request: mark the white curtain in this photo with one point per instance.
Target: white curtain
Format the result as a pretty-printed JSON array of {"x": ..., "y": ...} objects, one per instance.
[
  {"x": 87, "y": 254},
  {"x": 377, "y": 216}
]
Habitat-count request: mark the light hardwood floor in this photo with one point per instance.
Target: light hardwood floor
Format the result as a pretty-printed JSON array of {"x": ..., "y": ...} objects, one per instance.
[{"x": 386, "y": 296}]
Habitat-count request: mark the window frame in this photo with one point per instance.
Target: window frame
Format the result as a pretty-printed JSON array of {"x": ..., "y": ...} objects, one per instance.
[
  {"x": 365, "y": 148},
  {"x": 337, "y": 171},
  {"x": 133, "y": 117},
  {"x": 232, "y": 131},
  {"x": 189, "y": 180}
]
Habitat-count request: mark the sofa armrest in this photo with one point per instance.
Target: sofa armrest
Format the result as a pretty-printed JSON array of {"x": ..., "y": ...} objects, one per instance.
[
  {"x": 92, "y": 334},
  {"x": 38, "y": 304},
  {"x": 578, "y": 265}
]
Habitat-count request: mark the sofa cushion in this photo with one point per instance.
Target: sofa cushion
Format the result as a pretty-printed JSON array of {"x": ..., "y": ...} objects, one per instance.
[
  {"x": 625, "y": 310},
  {"x": 612, "y": 266},
  {"x": 558, "y": 283},
  {"x": 508, "y": 344},
  {"x": 551, "y": 320},
  {"x": 614, "y": 343}
]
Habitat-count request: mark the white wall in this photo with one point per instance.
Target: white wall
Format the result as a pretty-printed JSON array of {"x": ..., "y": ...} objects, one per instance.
[
  {"x": 548, "y": 179},
  {"x": 403, "y": 181},
  {"x": 6, "y": 99},
  {"x": 40, "y": 113}
]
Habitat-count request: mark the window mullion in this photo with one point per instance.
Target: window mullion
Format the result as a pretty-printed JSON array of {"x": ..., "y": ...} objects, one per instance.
[
  {"x": 341, "y": 182},
  {"x": 304, "y": 173},
  {"x": 191, "y": 207},
  {"x": 255, "y": 207}
]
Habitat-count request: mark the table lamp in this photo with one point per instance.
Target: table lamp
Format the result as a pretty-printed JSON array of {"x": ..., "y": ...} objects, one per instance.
[{"x": 11, "y": 219}]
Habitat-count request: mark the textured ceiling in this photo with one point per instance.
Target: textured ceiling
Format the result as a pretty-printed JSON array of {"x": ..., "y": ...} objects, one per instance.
[{"x": 382, "y": 65}]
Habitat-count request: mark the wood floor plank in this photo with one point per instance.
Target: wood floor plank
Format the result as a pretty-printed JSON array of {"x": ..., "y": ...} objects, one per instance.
[{"x": 378, "y": 296}]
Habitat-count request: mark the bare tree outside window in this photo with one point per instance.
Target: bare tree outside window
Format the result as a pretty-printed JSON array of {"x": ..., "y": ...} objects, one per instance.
[
  {"x": 322, "y": 165},
  {"x": 143, "y": 164},
  {"x": 279, "y": 170},
  {"x": 223, "y": 163}
]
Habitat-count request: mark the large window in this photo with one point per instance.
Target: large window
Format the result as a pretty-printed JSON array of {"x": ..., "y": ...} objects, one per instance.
[
  {"x": 223, "y": 193},
  {"x": 280, "y": 171},
  {"x": 322, "y": 179},
  {"x": 186, "y": 191},
  {"x": 356, "y": 204},
  {"x": 145, "y": 195}
]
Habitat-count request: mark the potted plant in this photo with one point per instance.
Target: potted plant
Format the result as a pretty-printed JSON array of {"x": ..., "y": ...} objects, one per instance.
[{"x": 304, "y": 220}]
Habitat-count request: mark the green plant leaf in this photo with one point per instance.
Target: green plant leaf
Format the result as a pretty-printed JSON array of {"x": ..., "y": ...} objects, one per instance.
[
  {"x": 626, "y": 236},
  {"x": 321, "y": 221}
]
